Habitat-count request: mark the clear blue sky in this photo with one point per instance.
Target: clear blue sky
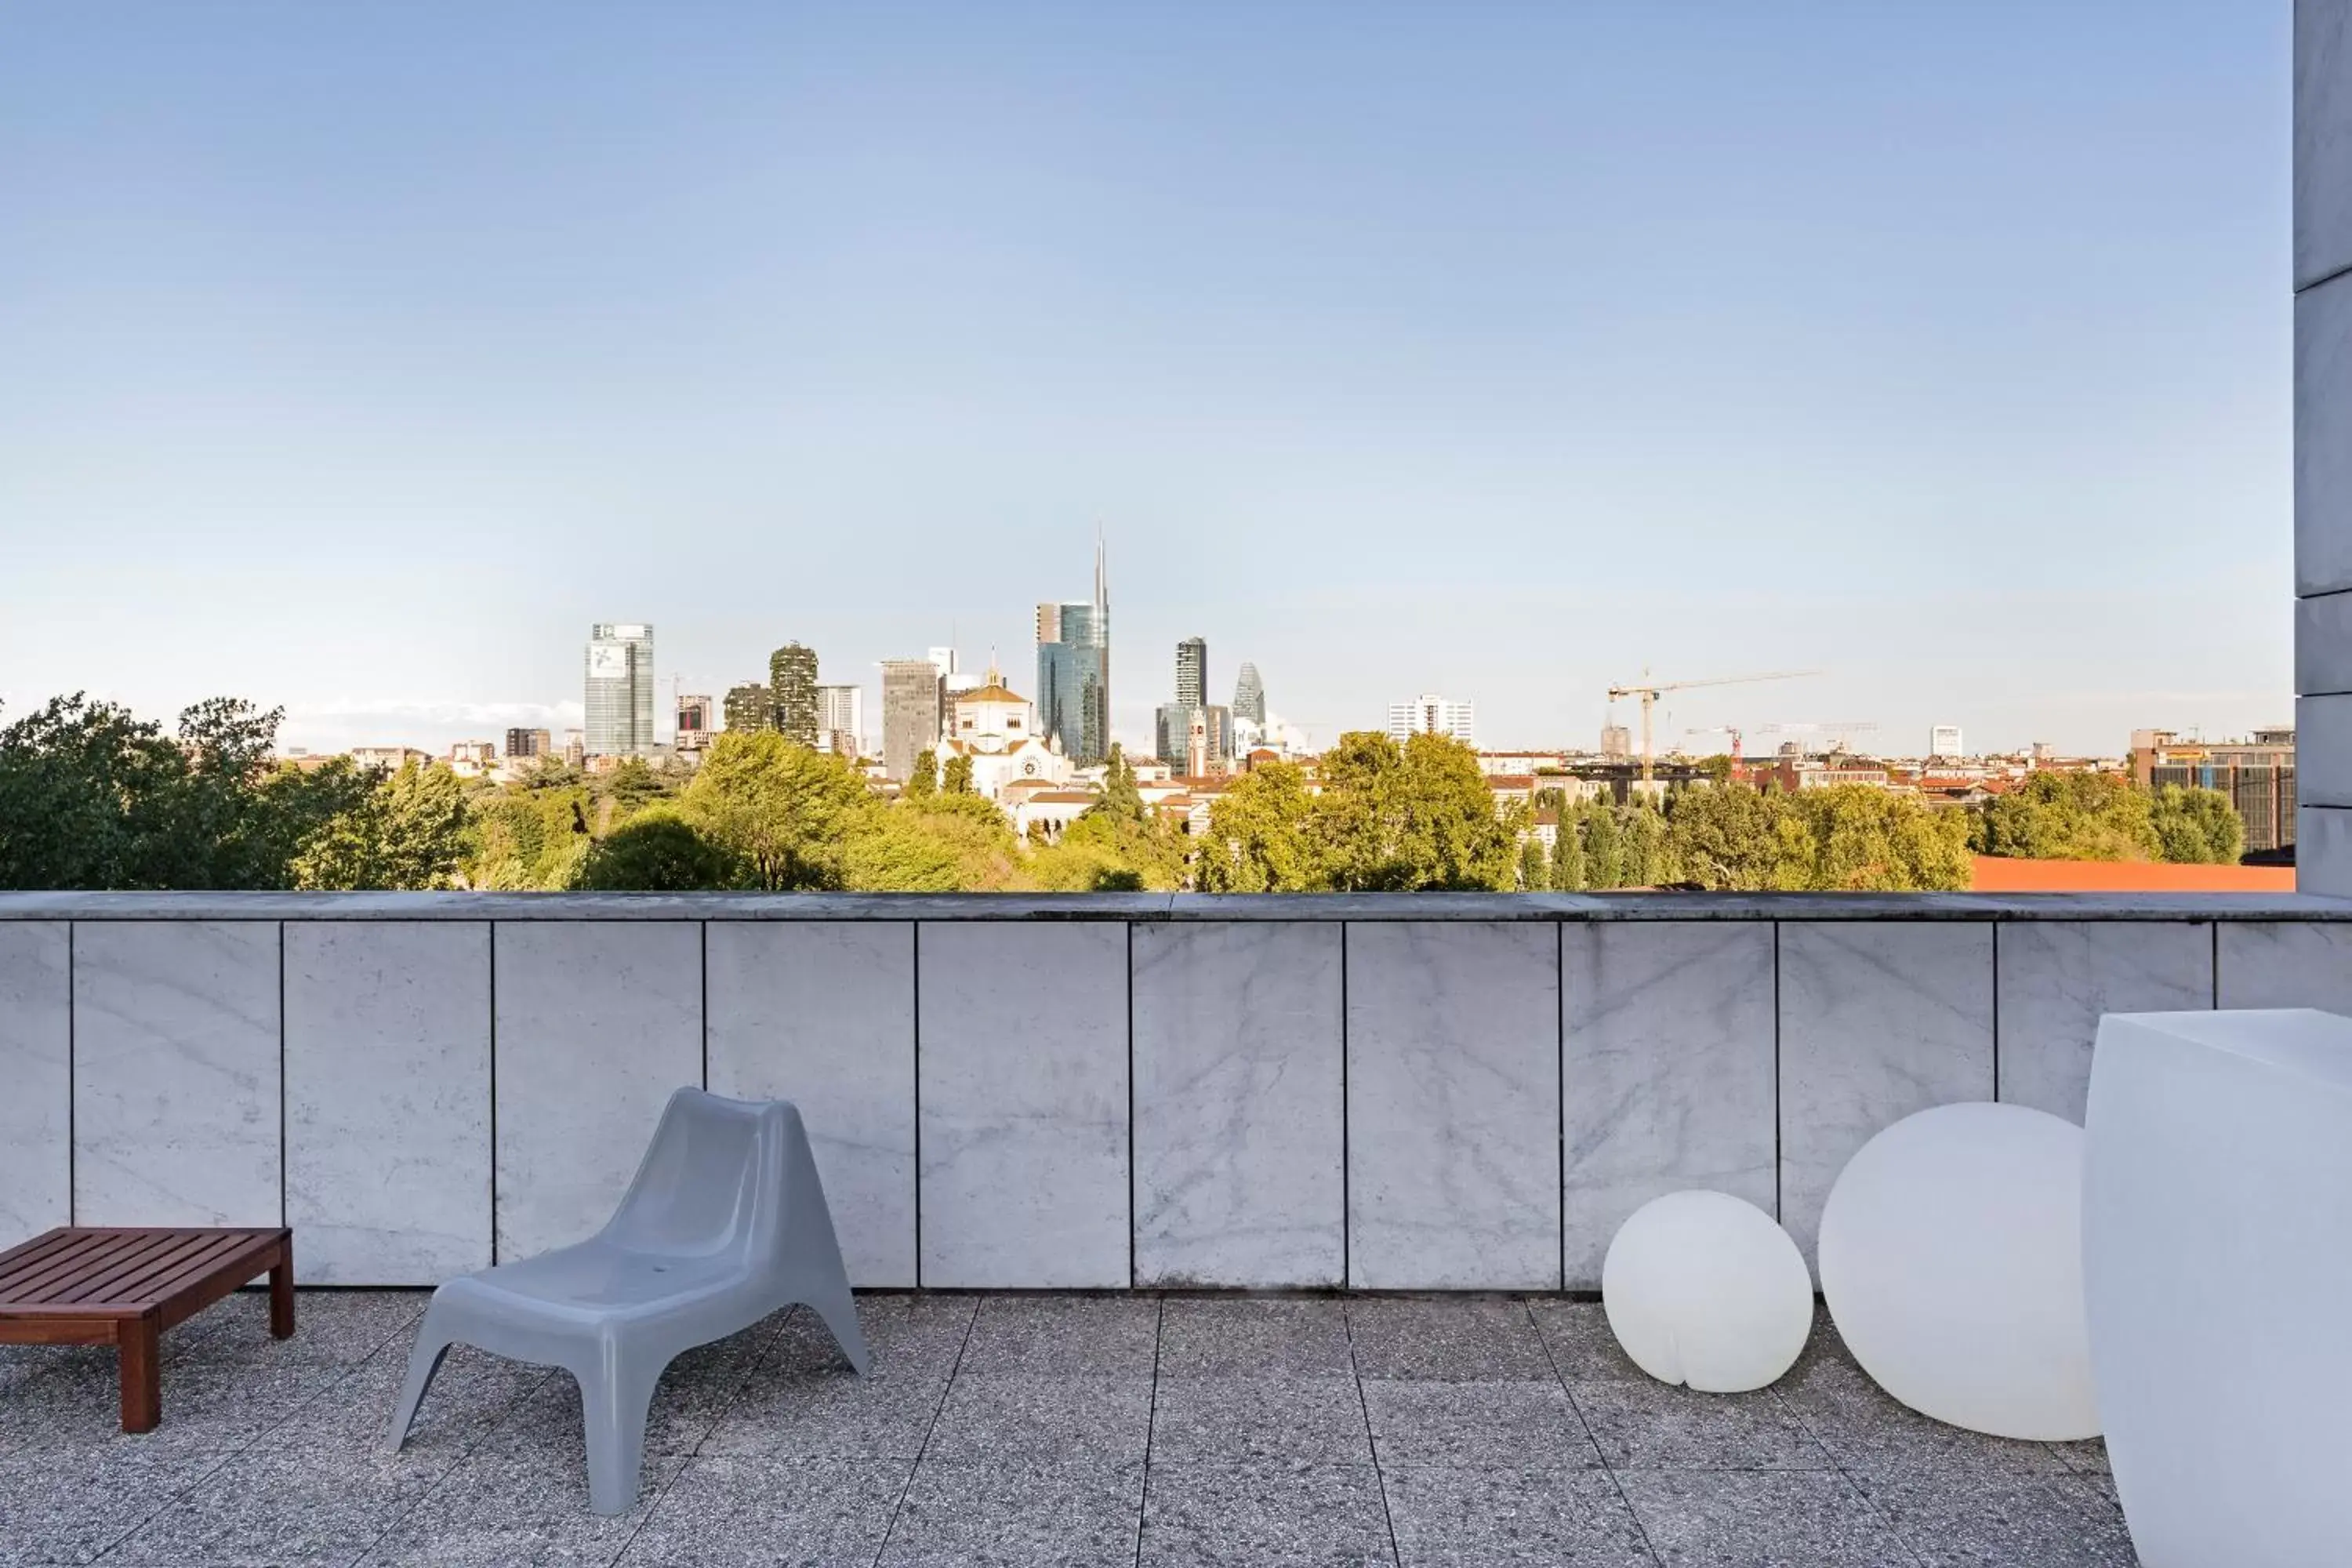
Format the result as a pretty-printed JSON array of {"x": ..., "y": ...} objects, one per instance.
[{"x": 357, "y": 357}]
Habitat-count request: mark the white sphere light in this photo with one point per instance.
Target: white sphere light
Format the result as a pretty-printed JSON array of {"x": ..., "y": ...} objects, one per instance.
[
  {"x": 1706, "y": 1289},
  {"x": 1952, "y": 1257}
]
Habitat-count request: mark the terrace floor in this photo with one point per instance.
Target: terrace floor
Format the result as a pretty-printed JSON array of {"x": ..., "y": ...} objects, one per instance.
[{"x": 1031, "y": 1429}]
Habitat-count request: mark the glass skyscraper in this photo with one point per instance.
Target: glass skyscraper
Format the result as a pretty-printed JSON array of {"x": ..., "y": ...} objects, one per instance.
[
  {"x": 1074, "y": 672},
  {"x": 1249, "y": 696},
  {"x": 620, "y": 696}
]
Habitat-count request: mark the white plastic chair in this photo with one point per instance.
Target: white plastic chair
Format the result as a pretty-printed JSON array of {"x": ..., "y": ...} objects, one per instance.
[{"x": 724, "y": 1223}]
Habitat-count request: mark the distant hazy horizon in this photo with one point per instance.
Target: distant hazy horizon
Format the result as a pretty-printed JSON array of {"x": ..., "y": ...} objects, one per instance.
[{"x": 358, "y": 358}]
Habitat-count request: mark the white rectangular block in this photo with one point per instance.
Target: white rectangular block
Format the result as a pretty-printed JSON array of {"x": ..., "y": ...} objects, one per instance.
[
  {"x": 822, "y": 1012},
  {"x": 1239, "y": 1110},
  {"x": 176, "y": 1088},
  {"x": 388, "y": 1100},
  {"x": 36, "y": 1065},
  {"x": 2284, "y": 963},
  {"x": 2323, "y": 437},
  {"x": 597, "y": 1022},
  {"x": 2056, "y": 978},
  {"x": 1877, "y": 1020},
  {"x": 1454, "y": 1106},
  {"x": 1022, "y": 1066},
  {"x": 1667, "y": 1077},
  {"x": 2323, "y": 644}
]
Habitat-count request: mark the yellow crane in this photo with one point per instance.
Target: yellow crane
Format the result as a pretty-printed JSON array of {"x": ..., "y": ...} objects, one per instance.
[{"x": 1649, "y": 692}]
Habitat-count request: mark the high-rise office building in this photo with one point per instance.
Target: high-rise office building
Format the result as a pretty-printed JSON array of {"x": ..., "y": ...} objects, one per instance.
[
  {"x": 1944, "y": 741},
  {"x": 1193, "y": 672},
  {"x": 841, "y": 719},
  {"x": 791, "y": 682},
  {"x": 914, "y": 696},
  {"x": 1249, "y": 696},
  {"x": 575, "y": 748},
  {"x": 528, "y": 743},
  {"x": 750, "y": 707},
  {"x": 957, "y": 678},
  {"x": 1183, "y": 728},
  {"x": 620, "y": 697},
  {"x": 1074, "y": 671},
  {"x": 697, "y": 717},
  {"x": 1430, "y": 714}
]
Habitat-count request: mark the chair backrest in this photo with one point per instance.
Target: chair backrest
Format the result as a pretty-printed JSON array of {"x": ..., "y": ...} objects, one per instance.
[{"x": 713, "y": 1179}]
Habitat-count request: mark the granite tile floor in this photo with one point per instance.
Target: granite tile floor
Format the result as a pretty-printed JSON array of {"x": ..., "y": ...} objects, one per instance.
[{"x": 1013, "y": 1429}]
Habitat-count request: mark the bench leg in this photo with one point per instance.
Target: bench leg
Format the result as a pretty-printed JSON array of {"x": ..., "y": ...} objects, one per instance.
[
  {"x": 143, "y": 1389},
  {"x": 281, "y": 1292}
]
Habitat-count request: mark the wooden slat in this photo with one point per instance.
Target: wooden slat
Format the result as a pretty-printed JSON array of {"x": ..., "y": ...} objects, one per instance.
[
  {"x": 66, "y": 1271},
  {"x": 117, "y": 1279},
  {"x": 233, "y": 1268},
  {"x": 135, "y": 1282},
  {"x": 31, "y": 1275},
  {"x": 15, "y": 1260}
]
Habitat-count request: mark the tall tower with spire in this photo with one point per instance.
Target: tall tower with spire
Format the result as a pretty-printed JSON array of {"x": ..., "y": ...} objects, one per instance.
[{"x": 1074, "y": 669}]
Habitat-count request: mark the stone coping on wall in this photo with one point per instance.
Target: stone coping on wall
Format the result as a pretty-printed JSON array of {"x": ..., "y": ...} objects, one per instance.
[{"x": 1133, "y": 907}]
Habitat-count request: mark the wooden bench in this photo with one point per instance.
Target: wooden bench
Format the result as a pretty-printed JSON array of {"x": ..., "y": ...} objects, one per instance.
[{"x": 83, "y": 1285}]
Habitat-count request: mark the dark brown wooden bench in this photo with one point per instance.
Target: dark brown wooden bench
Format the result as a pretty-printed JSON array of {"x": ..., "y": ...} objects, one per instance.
[{"x": 83, "y": 1285}]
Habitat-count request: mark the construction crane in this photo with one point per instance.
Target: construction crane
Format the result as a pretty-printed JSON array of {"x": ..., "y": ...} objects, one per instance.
[
  {"x": 1729, "y": 730},
  {"x": 1649, "y": 692}
]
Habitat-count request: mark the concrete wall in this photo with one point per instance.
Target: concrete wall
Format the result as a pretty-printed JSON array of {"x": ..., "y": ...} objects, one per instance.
[
  {"x": 1395, "y": 1094},
  {"x": 2323, "y": 444}
]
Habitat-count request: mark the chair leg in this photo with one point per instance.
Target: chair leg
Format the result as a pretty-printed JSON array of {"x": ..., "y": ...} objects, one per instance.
[
  {"x": 833, "y": 1303},
  {"x": 613, "y": 1400},
  {"x": 423, "y": 1361}
]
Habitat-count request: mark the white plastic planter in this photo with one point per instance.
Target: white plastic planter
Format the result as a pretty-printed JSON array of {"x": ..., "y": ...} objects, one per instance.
[{"x": 2217, "y": 1251}]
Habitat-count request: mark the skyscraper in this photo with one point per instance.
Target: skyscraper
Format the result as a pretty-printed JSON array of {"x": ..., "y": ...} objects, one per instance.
[
  {"x": 1193, "y": 673},
  {"x": 841, "y": 719},
  {"x": 749, "y": 706},
  {"x": 620, "y": 697},
  {"x": 1249, "y": 696},
  {"x": 913, "y": 703},
  {"x": 1074, "y": 671},
  {"x": 792, "y": 681},
  {"x": 528, "y": 743},
  {"x": 697, "y": 717}
]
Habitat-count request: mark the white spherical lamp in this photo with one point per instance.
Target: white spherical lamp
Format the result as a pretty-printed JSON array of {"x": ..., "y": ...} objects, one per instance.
[
  {"x": 1951, "y": 1258},
  {"x": 1706, "y": 1289}
]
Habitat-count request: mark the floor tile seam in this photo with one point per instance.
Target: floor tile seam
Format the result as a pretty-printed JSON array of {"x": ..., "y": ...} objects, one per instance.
[
  {"x": 1845, "y": 1474},
  {"x": 1372, "y": 1445},
  {"x": 1616, "y": 1483},
  {"x": 425, "y": 1493},
  {"x": 1150, "y": 1420},
  {"x": 220, "y": 1457},
  {"x": 947, "y": 1387}
]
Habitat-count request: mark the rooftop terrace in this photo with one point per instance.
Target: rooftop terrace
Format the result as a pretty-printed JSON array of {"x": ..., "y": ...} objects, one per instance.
[{"x": 1134, "y": 1429}]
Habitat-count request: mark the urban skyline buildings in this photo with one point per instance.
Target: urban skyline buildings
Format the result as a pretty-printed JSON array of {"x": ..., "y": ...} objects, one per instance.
[
  {"x": 841, "y": 717},
  {"x": 914, "y": 693},
  {"x": 697, "y": 717},
  {"x": 1193, "y": 672},
  {"x": 1073, "y": 671},
  {"x": 618, "y": 706},
  {"x": 791, "y": 688},
  {"x": 1431, "y": 714},
  {"x": 1249, "y": 695}
]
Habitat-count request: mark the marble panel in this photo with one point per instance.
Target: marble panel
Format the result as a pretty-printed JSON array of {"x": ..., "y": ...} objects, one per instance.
[
  {"x": 1667, "y": 1076},
  {"x": 2322, "y": 140},
  {"x": 2323, "y": 645},
  {"x": 388, "y": 1100},
  {"x": 2323, "y": 437},
  {"x": 597, "y": 1023},
  {"x": 2054, "y": 981},
  {"x": 1239, "y": 1105},
  {"x": 1877, "y": 1022},
  {"x": 2322, "y": 750},
  {"x": 177, "y": 1098},
  {"x": 2322, "y": 850},
  {"x": 823, "y": 1013},
  {"x": 1021, "y": 1068},
  {"x": 36, "y": 1063},
  {"x": 2284, "y": 963},
  {"x": 1454, "y": 1106}
]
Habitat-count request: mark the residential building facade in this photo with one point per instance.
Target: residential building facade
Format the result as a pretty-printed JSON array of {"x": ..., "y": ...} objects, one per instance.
[
  {"x": 2257, "y": 775},
  {"x": 791, "y": 686},
  {"x": 750, "y": 707},
  {"x": 841, "y": 719},
  {"x": 697, "y": 719},
  {"x": 1431, "y": 714}
]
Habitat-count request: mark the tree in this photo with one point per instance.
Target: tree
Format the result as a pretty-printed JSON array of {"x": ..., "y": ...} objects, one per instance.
[
  {"x": 1649, "y": 862},
  {"x": 408, "y": 831},
  {"x": 1119, "y": 844},
  {"x": 2197, "y": 826},
  {"x": 945, "y": 843},
  {"x": 923, "y": 780},
  {"x": 658, "y": 851},
  {"x": 1727, "y": 838},
  {"x": 1604, "y": 847},
  {"x": 957, "y": 778},
  {"x": 2070, "y": 816},
  {"x": 1568, "y": 874},
  {"x": 1412, "y": 817},
  {"x": 1258, "y": 840},
  {"x": 784, "y": 808},
  {"x": 1534, "y": 869},
  {"x": 1871, "y": 840}
]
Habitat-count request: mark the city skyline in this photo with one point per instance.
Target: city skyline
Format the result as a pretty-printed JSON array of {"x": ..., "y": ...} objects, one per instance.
[{"x": 1619, "y": 342}]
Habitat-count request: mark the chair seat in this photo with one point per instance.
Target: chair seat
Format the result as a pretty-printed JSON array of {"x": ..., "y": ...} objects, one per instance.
[{"x": 595, "y": 1281}]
